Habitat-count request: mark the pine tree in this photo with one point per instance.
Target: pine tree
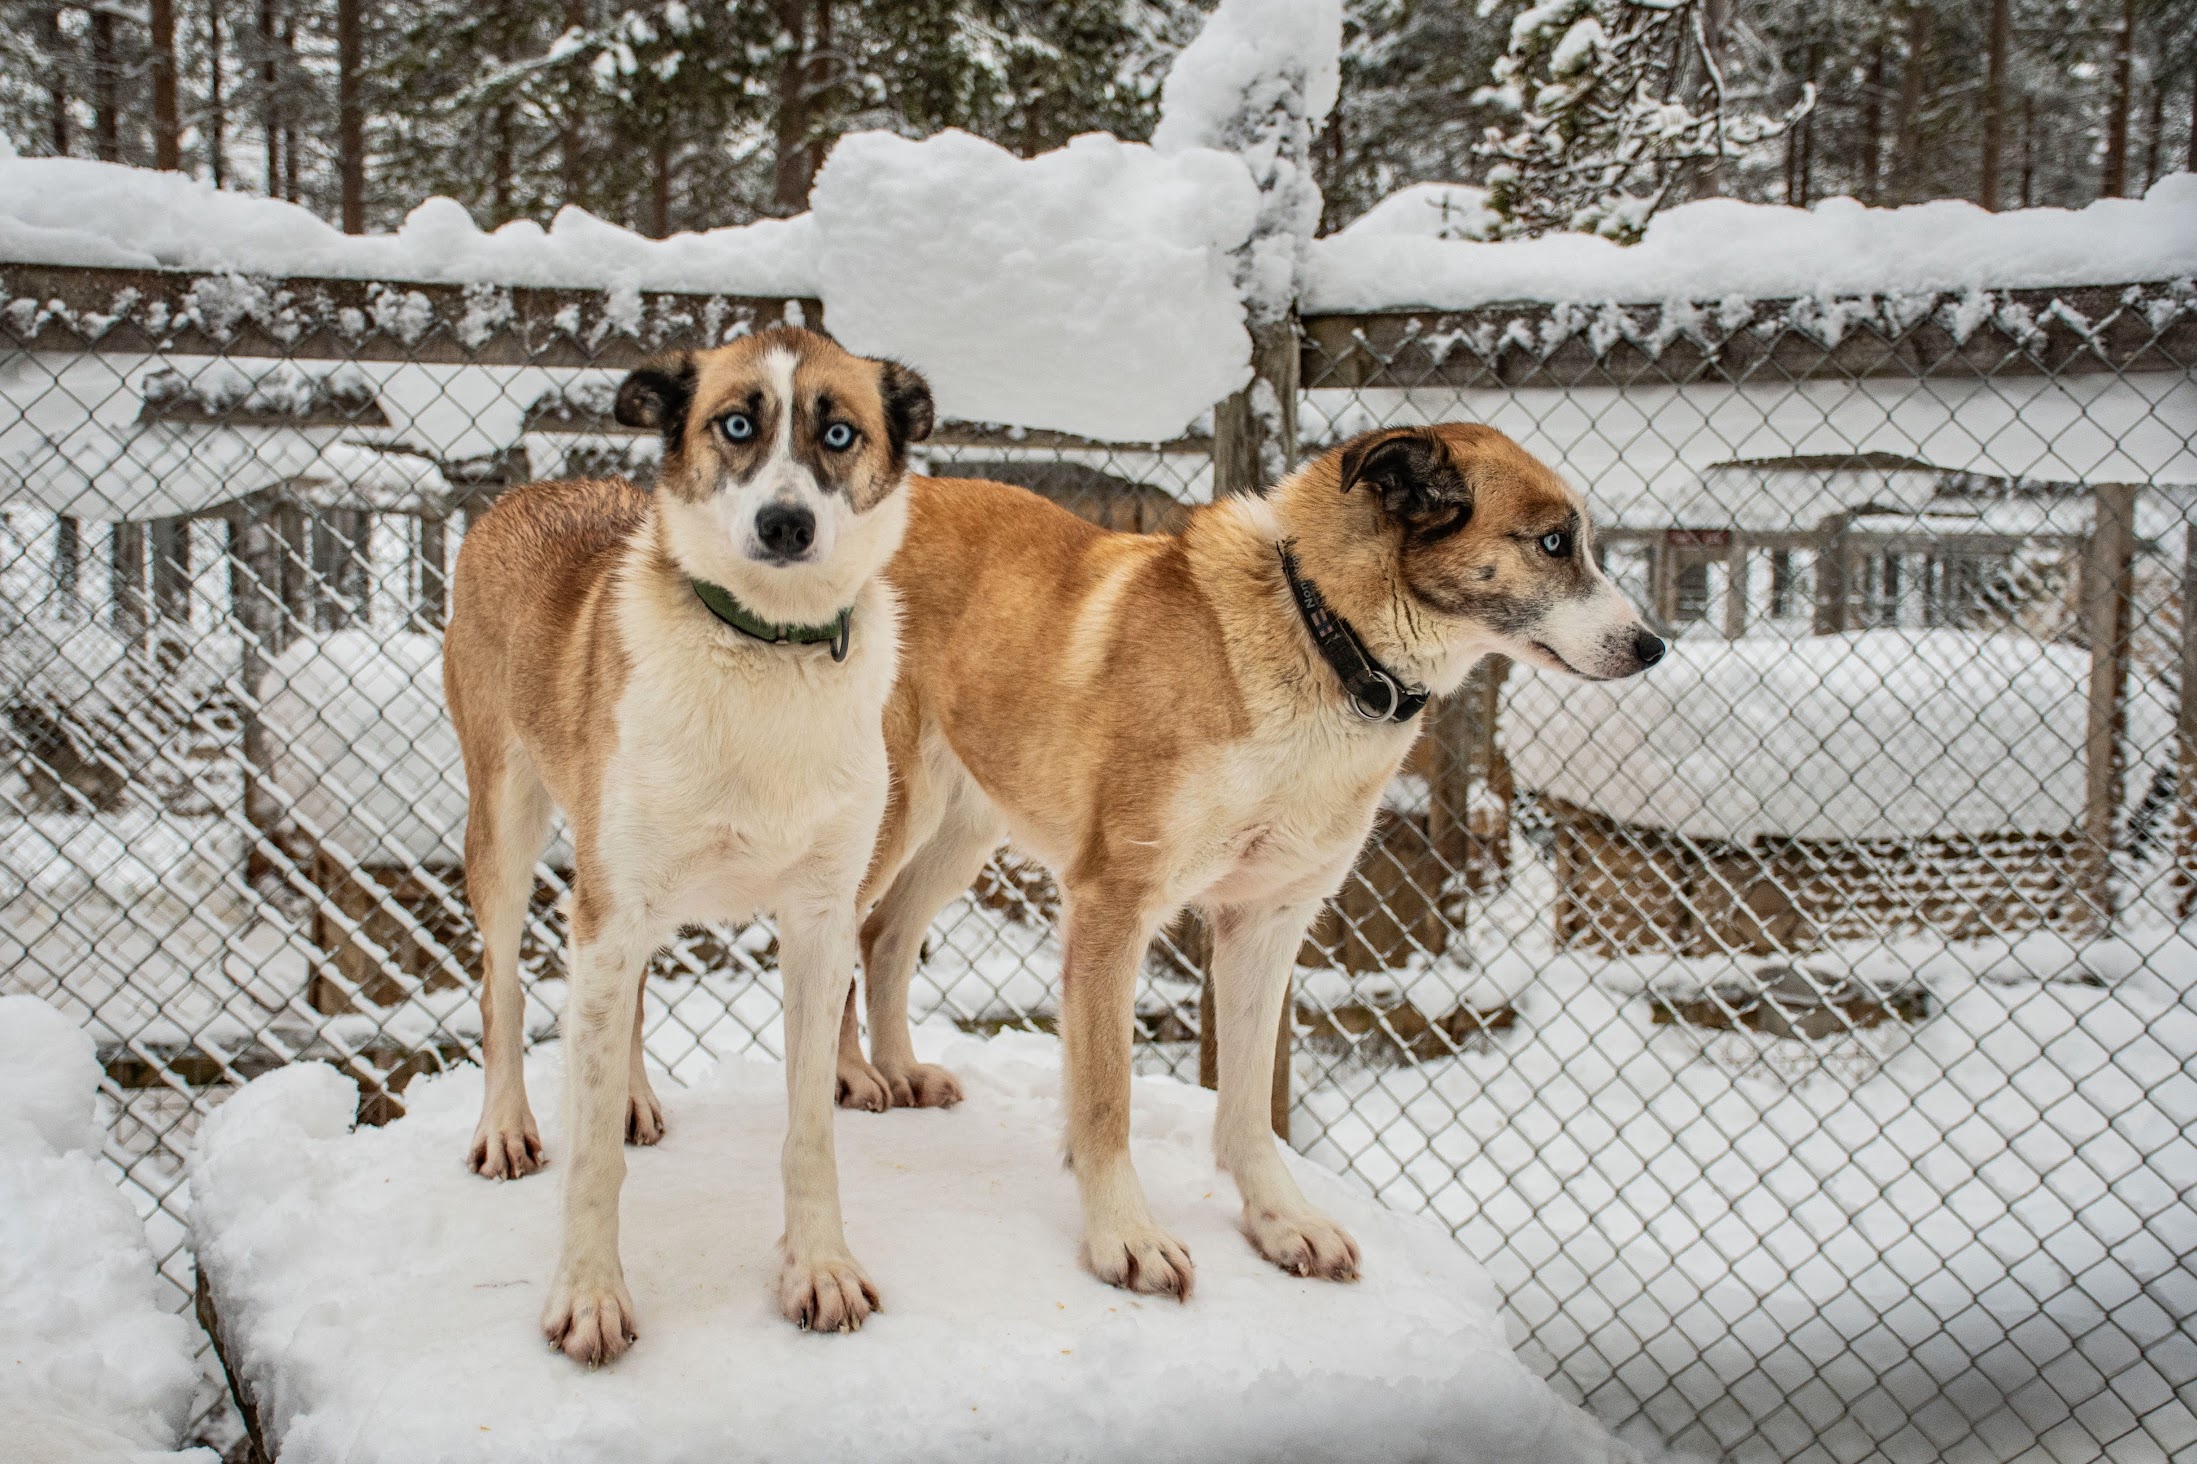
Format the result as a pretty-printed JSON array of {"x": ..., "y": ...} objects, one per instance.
[{"x": 1611, "y": 103}]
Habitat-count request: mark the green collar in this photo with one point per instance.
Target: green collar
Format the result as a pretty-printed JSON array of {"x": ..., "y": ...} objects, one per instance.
[{"x": 721, "y": 604}]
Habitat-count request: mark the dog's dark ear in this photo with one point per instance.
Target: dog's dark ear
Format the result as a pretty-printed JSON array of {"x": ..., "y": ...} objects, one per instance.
[
  {"x": 1408, "y": 470},
  {"x": 656, "y": 395},
  {"x": 909, "y": 415}
]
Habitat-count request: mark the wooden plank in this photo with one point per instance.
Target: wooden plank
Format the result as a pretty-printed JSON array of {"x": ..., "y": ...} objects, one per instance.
[
  {"x": 126, "y": 558},
  {"x": 430, "y": 546},
  {"x": 1735, "y": 587},
  {"x": 2107, "y": 577},
  {"x": 1830, "y": 560},
  {"x": 2185, "y": 813},
  {"x": 2064, "y": 331},
  {"x": 144, "y": 311},
  {"x": 247, "y": 1402}
]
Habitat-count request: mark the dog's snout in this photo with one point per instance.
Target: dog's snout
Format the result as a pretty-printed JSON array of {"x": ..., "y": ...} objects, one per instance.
[
  {"x": 786, "y": 530},
  {"x": 1648, "y": 646}
]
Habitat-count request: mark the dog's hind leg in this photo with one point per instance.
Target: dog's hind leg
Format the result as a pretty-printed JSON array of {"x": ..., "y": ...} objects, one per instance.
[
  {"x": 1253, "y": 951},
  {"x": 644, "y": 1114},
  {"x": 506, "y": 828},
  {"x": 892, "y": 942},
  {"x": 1106, "y": 930}
]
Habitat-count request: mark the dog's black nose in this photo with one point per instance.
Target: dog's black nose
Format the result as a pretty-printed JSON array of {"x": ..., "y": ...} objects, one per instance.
[
  {"x": 786, "y": 529},
  {"x": 1648, "y": 647}
]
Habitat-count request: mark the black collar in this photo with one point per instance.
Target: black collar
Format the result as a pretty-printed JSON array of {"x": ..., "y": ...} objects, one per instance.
[{"x": 1375, "y": 693}]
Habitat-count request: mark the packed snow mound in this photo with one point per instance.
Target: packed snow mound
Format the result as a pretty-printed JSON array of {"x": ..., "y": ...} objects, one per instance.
[
  {"x": 1426, "y": 211},
  {"x": 382, "y": 1302},
  {"x": 74, "y": 211},
  {"x": 91, "y": 1372},
  {"x": 1720, "y": 247},
  {"x": 362, "y": 749},
  {"x": 1874, "y": 734},
  {"x": 1087, "y": 289}
]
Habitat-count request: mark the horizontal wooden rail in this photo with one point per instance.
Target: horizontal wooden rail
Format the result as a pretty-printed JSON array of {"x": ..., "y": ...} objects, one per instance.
[
  {"x": 142, "y": 311},
  {"x": 2071, "y": 331}
]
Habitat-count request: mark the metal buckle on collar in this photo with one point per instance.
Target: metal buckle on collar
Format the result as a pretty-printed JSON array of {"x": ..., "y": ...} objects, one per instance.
[{"x": 1395, "y": 699}]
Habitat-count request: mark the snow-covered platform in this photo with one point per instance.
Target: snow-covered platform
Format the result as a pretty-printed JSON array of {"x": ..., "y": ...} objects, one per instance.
[{"x": 379, "y": 1302}]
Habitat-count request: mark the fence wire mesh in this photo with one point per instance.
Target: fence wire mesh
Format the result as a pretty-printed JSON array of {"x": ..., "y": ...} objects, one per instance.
[{"x": 1803, "y": 1034}]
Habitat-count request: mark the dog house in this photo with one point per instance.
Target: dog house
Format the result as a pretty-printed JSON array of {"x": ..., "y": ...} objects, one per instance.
[{"x": 1765, "y": 796}]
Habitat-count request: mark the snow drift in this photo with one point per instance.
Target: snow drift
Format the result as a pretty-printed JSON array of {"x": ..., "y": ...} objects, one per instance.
[
  {"x": 1874, "y": 734},
  {"x": 1087, "y": 289},
  {"x": 91, "y": 1372},
  {"x": 383, "y": 1302}
]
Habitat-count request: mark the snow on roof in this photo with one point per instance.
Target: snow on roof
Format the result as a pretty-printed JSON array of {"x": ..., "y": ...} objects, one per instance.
[
  {"x": 1875, "y": 734},
  {"x": 96, "y": 1370},
  {"x": 1720, "y": 247},
  {"x": 283, "y": 393},
  {"x": 74, "y": 439},
  {"x": 351, "y": 1267},
  {"x": 74, "y": 211}
]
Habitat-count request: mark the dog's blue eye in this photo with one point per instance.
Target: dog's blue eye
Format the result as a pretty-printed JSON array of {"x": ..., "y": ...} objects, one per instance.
[
  {"x": 839, "y": 437},
  {"x": 1556, "y": 546},
  {"x": 737, "y": 426}
]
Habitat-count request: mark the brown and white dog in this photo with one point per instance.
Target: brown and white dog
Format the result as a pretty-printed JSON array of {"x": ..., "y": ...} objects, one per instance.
[
  {"x": 697, "y": 678},
  {"x": 1202, "y": 720}
]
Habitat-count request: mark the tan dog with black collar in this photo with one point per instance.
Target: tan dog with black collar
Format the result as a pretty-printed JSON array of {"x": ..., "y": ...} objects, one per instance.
[
  {"x": 1205, "y": 719},
  {"x": 697, "y": 677}
]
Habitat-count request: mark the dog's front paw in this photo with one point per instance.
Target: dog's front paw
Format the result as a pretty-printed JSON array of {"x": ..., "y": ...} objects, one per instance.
[
  {"x": 826, "y": 1293},
  {"x": 589, "y": 1321},
  {"x": 506, "y": 1146},
  {"x": 644, "y": 1117},
  {"x": 862, "y": 1086},
  {"x": 922, "y": 1085},
  {"x": 1144, "y": 1258},
  {"x": 1306, "y": 1243}
]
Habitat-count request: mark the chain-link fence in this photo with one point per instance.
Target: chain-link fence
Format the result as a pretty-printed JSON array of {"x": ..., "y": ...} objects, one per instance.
[{"x": 1803, "y": 1033}]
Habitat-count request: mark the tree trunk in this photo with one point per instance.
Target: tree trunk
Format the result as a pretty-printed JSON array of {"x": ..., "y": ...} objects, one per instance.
[
  {"x": 57, "y": 90},
  {"x": 659, "y": 198},
  {"x": 1994, "y": 102},
  {"x": 804, "y": 28},
  {"x": 270, "y": 98},
  {"x": 572, "y": 127},
  {"x": 167, "y": 126},
  {"x": 217, "y": 116},
  {"x": 1872, "y": 123},
  {"x": 2029, "y": 150},
  {"x": 2156, "y": 124},
  {"x": 106, "y": 108},
  {"x": 289, "y": 122},
  {"x": 500, "y": 186},
  {"x": 1906, "y": 145},
  {"x": 350, "y": 115},
  {"x": 2114, "y": 183}
]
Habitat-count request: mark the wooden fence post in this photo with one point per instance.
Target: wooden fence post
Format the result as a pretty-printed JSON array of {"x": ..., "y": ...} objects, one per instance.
[
  {"x": 432, "y": 604},
  {"x": 256, "y": 576},
  {"x": 2108, "y": 567},
  {"x": 171, "y": 581},
  {"x": 1254, "y": 447},
  {"x": 1831, "y": 591},
  {"x": 68, "y": 565},
  {"x": 126, "y": 555},
  {"x": 1735, "y": 586}
]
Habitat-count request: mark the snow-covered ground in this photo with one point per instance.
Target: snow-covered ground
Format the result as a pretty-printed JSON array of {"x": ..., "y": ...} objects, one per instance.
[
  {"x": 382, "y": 1302},
  {"x": 91, "y": 1370}
]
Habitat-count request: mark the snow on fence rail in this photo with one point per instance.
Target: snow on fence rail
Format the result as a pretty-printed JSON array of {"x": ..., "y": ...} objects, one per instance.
[{"x": 1882, "y": 1090}]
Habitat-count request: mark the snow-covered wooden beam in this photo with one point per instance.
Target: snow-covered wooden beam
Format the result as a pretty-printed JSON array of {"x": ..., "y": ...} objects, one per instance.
[
  {"x": 72, "y": 308},
  {"x": 2068, "y": 330}
]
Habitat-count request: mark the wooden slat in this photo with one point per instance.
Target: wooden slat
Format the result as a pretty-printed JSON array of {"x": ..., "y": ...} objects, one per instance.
[
  {"x": 141, "y": 311},
  {"x": 2141, "y": 327},
  {"x": 2106, "y": 584}
]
